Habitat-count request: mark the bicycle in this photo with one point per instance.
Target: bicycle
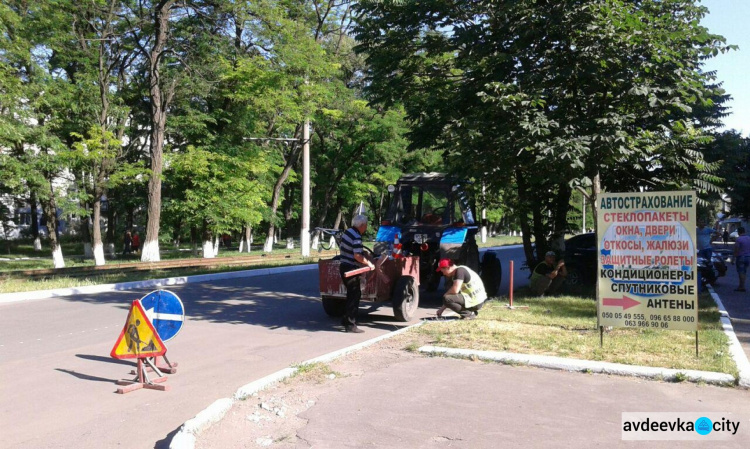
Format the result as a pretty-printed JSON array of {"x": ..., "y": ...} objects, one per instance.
[{"x": 325, "y": 244}]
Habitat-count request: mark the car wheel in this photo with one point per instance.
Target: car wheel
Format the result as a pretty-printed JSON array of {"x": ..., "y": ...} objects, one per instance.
[
  {"x": 334, "y": 307},
  {"x": 492, "y": 273},
  {"x": 405, "y": 298},
  {"x": 574, "y": 277}
]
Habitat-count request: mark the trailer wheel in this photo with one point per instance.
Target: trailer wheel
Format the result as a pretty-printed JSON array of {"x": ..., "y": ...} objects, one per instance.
[
  {"x": 405, "y": 298},
  {"x": 334, "y": 307},
  {"x": 492, "y": 273}
]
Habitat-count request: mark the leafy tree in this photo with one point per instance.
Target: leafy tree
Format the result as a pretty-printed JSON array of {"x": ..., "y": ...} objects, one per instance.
[{"x": 548, "y": 96}]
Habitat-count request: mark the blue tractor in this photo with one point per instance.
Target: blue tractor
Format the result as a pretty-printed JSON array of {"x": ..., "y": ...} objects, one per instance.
[{"x": 431, "y": 216}]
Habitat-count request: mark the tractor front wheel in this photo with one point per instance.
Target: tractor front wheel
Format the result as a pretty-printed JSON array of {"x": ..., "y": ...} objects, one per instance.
[{"x": 405, "y": 298}]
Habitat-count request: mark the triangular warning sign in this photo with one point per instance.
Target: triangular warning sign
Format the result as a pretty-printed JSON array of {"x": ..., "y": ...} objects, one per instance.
[{"x": 138, "y": 338}]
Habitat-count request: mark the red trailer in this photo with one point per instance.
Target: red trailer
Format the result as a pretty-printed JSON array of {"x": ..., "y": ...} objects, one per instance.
[{"x": 395, "y": 280}]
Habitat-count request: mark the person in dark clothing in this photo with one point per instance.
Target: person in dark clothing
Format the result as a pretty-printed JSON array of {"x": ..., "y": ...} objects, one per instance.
[
  {"x": 548, "y": 276},
  {"x": 353, "y": 257},
  {"x": 127, "y": 243}
]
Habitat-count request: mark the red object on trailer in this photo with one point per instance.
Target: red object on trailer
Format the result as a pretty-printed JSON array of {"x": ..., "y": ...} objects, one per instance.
[{"x": 395, "y": 280}]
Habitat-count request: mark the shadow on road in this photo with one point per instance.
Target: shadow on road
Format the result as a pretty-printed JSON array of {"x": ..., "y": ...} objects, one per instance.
[
  {"x": 86, "y": 376},
  {"x": 98, "y": 358},
  {"x": 282, "y": 301},
  {"x": 164, "y": 443}
]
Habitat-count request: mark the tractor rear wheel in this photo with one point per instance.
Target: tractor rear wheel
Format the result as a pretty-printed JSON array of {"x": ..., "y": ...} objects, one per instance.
[
  {"x": 405, "y": 298},
  {"x": 492, "y": 273}
]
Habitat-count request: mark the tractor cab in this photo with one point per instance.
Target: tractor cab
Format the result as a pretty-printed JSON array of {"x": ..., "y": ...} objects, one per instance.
[{"x": 430, "y": 215}]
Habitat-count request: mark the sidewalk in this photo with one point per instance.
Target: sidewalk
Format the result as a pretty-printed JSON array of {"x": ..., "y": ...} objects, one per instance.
[{"x": 736, "y": 303}]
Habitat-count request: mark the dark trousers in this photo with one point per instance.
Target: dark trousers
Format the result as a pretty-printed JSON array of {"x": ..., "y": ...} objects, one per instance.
[
  {"x": 457, "y": 303},
  {"x": 353, "y": 295}
]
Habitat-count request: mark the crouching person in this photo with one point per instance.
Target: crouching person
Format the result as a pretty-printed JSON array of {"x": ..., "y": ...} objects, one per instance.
[
  {"x": 548, "y": 276},
  {"x": 466, "y": 294}
]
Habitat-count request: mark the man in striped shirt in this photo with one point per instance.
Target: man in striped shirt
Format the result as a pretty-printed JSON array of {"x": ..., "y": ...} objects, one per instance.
[{"x": 353, "y": 257}]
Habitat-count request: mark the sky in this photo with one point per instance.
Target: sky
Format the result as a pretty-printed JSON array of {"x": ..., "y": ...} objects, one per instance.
[{"x": 731, "y": 19}]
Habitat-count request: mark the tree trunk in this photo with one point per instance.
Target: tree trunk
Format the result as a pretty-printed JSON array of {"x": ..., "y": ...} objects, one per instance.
[
  {"x": 288, "y": 209},
  {"x": 97, "y": 213},
  {"x": 336, "y": 225},
  {"x": 194, "y": 239},
  {"x": 50, "y": 210},
  {"x": 86, "y": 234},
  {"x": 247, "y": 239},
  {"x": 290, "y": 162},
  {"x": 176, "y": 233},
  {"x": 523, "y": 214},
  {"x": 208, "y": 243},
  {"x": 159, "y": 102},
  {"x": 35, "y": 222},
  {"x": 111, "y": 227},
  {"x": 596, "y": 190}
]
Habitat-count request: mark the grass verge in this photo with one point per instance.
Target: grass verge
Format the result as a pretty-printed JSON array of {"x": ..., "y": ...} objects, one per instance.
[
  {"x": 565, "y": 326},
  {"x": 11, "y": 285}
]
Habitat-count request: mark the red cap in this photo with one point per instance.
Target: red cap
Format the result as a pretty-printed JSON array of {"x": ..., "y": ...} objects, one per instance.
[{"x": 444, "y": 263}]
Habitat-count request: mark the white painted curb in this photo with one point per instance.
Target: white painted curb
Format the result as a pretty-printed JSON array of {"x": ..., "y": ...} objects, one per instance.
[
  {"x": 735, "y": 348},
  {"x": 185, "y": 438},
  {"x": 60, "y": 292},
  {"x": 564, "y": 364}
]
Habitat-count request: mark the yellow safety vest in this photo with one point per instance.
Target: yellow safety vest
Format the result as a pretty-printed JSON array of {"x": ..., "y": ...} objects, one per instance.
[{"x": 474, "y": 289}]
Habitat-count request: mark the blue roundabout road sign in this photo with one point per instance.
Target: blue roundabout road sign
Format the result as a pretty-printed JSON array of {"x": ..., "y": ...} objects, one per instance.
[{"x": 166, "y": 312}]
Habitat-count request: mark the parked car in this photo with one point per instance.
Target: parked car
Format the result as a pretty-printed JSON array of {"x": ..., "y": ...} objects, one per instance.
[{"x": 580, "y": 259}]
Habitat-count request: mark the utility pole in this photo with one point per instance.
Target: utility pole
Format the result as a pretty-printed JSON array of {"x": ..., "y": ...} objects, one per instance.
[
  {"x": 305, "y": 232},
  {"x": 304, "y": 240}
]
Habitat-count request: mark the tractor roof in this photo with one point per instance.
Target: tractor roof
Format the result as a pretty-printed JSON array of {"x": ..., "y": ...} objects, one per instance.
[{"x": 427, "y": 178}]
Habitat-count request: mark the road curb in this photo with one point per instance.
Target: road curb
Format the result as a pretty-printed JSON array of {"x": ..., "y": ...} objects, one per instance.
[
  {"x": 186, "y": 436},
  {"x": 150, "y": 283},
  {"x": 588, "y": 366},
  {"x": 735, "y": 348}
]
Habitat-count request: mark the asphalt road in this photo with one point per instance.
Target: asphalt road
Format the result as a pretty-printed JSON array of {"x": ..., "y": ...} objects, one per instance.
[{"x": 57, "y": 378}]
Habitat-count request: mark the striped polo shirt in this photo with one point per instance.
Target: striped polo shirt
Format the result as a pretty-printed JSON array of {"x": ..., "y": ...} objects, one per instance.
[{"x": 351, "y": 244}]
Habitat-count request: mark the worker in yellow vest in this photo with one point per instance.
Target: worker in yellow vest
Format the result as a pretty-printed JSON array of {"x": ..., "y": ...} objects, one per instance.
[{"x": 466, "y": 295}]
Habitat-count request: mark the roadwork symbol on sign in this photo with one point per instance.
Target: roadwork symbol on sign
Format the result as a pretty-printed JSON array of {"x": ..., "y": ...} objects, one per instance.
[
  {"x": 165, "y": 311},
  {"x": 138, "y": 338}
]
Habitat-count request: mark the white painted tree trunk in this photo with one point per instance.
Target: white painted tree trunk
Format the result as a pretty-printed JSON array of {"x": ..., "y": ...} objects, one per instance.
[
  {"x": 150, "y": 252},
  {"x": 332, "y": 242},
  {"x": 110, "y": 251},
  {"x": 289, "y": 243},
  {"x": 88, "y": 253},
  {"x": 99, "y": 254},
  {"x": 248, "y": 238},
  {"x": 216, "y": 246},
  {"x": 37, "y": 244},
  {"x": 208, "y": 249},
  {"x": 57, "y": 257},
  {"x": 315, "y": 241},
  {"x": 242, "y": 244},
  {"x": 268, "y": 245}
]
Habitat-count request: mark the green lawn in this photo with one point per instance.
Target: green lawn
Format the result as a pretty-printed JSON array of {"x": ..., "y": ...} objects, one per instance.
[{"x": 565, "y": 326}]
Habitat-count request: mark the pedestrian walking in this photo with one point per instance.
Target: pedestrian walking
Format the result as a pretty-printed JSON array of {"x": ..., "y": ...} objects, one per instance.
[{"x": 742, "y": 257}]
